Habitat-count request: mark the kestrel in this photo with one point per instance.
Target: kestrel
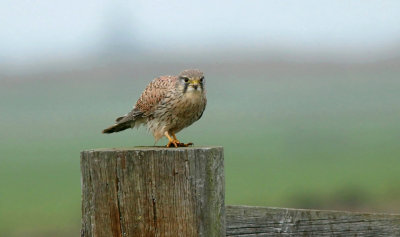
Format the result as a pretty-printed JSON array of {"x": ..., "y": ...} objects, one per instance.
[{"x": 167, "y": 105}]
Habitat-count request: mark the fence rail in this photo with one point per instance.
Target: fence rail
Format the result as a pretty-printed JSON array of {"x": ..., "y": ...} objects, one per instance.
[{"x": 267, "y": 221}]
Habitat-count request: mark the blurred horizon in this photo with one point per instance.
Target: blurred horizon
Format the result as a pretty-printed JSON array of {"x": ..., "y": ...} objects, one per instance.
[{"x": 313, "y": 31}]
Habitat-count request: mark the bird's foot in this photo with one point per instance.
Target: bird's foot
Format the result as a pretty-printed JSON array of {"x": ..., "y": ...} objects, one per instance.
[
  {"x": 176, "y": 143},
  {"x": 186, "y": 145},
  {"x": 173, "y": 143}
]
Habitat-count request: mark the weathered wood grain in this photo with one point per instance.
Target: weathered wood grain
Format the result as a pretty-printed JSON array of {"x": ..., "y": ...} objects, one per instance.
[
  {"x": 149, "y": 191},
  {"x": 265, "y": 221},
  {"x": 153, "y": 191}
]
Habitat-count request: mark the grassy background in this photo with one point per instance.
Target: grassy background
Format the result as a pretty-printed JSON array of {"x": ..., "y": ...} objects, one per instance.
[{"x": 305, "y": 136}]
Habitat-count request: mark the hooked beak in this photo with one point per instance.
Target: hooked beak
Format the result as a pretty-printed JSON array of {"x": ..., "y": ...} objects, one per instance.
[{"x": 195, "y": 84}]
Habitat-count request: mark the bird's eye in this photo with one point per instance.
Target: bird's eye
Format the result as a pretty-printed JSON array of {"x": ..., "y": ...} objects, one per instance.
[
  {"x": 186, "y": 79},
  {"x": 201, "y": 79}
]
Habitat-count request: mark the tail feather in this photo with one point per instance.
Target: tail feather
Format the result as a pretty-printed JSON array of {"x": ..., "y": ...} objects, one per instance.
[
  {"x": 124, "y": 122},
  {"x": 119, "y": 127},
  {"x": 120, "y": 118}
]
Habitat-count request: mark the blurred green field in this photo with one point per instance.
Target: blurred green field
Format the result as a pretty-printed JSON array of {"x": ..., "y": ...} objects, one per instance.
[{"x": 325, "y": 139}]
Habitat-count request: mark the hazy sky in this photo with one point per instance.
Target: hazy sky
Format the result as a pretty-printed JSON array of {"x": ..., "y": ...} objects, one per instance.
[{"x": 49, "y": 27}]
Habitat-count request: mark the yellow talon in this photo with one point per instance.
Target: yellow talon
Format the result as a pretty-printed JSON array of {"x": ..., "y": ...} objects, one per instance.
[{"x": 174, "y": 141}]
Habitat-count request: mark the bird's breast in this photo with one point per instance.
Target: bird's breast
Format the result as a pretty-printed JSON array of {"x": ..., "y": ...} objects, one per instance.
[
  {"x": 190, "y": 104},
  {"x": 193, "y": 97}
]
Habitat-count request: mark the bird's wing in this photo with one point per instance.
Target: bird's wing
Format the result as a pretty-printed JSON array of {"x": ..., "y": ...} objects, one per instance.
[{"x": 154, "y": 93}]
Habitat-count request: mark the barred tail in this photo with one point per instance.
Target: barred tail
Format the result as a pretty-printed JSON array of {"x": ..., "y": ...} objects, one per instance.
[
  {"x": 119, "y": 127},
  {"x": 127, "y": 121}
]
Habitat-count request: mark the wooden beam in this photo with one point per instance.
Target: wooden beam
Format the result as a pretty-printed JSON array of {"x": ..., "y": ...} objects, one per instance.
[
  {"x": 150, "y": 191},
  {"x": 266, "y": 221}
]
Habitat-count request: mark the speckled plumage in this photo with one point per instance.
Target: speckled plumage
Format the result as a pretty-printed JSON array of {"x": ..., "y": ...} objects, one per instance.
[{"x": 167, "y": 105}]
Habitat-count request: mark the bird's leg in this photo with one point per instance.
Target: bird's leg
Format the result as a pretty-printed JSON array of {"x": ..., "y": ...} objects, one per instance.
[
  {"x": 176, "y": 140},
  {"x": 179, "y": 143},
  {"x": 171, "y": 141}
]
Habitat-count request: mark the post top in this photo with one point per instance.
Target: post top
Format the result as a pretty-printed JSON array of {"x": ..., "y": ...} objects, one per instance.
[{"x": 152, "y": 148}]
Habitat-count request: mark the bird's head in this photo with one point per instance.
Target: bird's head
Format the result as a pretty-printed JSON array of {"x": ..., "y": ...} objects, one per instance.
[{"x": 191, "y": 80}]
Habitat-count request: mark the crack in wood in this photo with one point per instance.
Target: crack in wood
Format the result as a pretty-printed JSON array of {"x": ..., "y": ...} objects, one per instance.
[
  {"x": 118, "y": 186},
  {"x": 154, "y": 213}
]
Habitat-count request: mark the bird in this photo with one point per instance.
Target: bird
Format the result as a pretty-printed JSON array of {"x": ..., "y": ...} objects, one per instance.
[{"x": 167, "y": 105}]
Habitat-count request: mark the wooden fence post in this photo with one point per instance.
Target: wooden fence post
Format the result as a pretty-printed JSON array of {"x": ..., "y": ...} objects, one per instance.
[{"x": 152, "y": 191}]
